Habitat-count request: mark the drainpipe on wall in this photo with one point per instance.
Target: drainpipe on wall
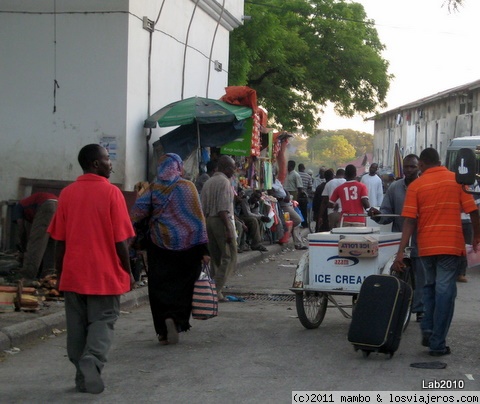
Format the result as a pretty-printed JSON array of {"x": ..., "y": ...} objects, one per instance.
[
  {"x": 150, "y": 27},
  {"x": 147, "y": 167}
]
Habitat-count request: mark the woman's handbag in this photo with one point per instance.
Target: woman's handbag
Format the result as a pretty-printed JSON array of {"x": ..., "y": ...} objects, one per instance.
[{"x": 205, "y": 300}]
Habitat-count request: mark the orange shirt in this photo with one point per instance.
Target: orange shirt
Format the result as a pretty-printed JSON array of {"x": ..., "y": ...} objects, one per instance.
[
  {"x": 91, "y": 217},
  {"x": 436, "y": 200}
]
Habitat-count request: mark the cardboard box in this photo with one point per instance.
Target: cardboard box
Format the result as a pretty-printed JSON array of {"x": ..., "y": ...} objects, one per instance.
[
  {"x": 6, "y": 302},
  {"x": 351, "y": 246}
]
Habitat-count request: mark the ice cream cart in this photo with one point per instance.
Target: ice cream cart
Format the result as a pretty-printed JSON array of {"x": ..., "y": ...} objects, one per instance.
[{"x": 337, "y": 262}]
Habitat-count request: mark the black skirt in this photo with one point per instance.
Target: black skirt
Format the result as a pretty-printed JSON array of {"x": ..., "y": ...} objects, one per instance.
[{"x": 171, "y": 277}]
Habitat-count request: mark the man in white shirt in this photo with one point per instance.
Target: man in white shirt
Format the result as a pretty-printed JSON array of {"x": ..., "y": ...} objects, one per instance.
[
  {"x": 334, "y": 216},
  {"x": 319, "y": 178},
  {"x": 374, "y": 186}
]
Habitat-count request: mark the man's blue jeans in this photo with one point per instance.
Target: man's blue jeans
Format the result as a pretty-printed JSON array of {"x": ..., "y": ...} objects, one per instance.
[
  {"x": 419, "y": 276},
  {"x": 439, "y": 295}
]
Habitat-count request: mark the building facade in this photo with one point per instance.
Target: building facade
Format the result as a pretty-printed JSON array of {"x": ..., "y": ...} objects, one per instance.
[
  {"x": 74, "y": 72},
  {"x": 429, "y": 122}
]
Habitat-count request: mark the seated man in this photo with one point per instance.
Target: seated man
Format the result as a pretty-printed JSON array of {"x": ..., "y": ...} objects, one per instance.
[
  {"x": 241, "y": 229},
  {"x": 33, "y": 216},
  {"x": 251, "y": 219},
  {"x": 286, "y": 205}
]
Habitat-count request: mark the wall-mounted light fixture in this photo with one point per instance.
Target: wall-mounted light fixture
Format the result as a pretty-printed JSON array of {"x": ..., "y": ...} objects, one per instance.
[{"x": 246, "y": 17}]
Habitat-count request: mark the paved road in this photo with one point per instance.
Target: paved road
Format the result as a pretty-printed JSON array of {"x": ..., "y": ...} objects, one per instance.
[{"x": 253, "y": 352}]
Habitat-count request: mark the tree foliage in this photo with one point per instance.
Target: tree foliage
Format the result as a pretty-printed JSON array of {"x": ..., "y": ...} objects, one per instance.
[
  {"x": 334, "y": 149},
  {"x": 330, "y": 148},
  {"x": 299, "y": 54}
]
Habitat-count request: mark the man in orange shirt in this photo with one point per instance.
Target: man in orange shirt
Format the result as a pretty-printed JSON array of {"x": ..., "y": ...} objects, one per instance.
[
  {"x": 432, "y": 205},
  {"x": 92, "y": 226}
]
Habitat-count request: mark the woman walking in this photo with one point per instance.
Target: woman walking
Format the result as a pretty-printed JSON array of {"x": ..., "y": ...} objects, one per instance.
[{"x": 176, "y": 249}]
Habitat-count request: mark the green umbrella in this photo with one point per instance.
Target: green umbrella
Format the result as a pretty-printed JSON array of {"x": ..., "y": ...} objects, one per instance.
[{"x": 199, "y": 110}]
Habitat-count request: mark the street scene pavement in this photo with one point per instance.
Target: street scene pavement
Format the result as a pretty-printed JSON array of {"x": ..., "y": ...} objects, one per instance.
[{"x": 255, "y": 351}]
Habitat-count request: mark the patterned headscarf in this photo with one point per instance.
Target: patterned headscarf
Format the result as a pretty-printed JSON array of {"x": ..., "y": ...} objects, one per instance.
[
  {"x": 177, "y": 220},
  {"x": 169, "y": 171}
]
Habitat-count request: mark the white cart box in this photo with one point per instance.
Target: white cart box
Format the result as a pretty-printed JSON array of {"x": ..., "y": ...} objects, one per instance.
[{"x": 330, "y": 272}]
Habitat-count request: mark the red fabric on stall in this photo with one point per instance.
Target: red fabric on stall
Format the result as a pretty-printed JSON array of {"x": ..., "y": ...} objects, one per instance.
[
  {"x": 246, "y": 96},
  {"x": 263, "y": 116},
  {"x": 241, "y": 95},
  {"x": 280, "y": 140}
]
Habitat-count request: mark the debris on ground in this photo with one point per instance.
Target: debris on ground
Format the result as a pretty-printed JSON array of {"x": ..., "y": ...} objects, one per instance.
[{"x": 17, "y": 297}]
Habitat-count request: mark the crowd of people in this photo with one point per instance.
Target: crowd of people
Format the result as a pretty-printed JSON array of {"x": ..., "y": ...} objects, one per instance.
[{"x": 210, "y": 222}]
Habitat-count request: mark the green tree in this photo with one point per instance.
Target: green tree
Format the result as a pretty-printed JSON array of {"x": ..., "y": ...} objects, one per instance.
[
  {"x": 335, "y": 148},
  {"x": 361, "y": 141},
  {"x": 299, "y": 54}
]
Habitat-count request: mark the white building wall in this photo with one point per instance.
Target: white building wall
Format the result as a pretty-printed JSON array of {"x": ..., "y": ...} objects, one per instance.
[{"x": 99, "y": 57}]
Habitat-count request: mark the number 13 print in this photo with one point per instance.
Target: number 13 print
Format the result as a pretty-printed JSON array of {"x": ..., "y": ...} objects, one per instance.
[{"x": 351, "y": 193}]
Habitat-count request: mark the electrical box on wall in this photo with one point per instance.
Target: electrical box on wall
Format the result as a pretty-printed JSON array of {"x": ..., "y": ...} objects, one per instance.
[
  {"x": 148, "y": 24},
  {"x": 218, "y": 66}
]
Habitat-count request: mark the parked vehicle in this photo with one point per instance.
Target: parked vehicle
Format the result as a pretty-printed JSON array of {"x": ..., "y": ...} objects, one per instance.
[{"x": 469, "y": 142}]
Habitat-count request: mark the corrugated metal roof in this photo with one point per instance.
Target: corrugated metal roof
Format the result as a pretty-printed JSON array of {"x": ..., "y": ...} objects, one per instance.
[{"x": 432, "y": 98}]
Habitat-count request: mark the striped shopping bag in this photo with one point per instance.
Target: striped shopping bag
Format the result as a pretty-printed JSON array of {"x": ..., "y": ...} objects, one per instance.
[{"x": 204, "y": 301}]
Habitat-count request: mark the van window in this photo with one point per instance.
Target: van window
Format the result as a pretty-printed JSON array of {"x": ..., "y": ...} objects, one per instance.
[{"x": 452, "y": 157}]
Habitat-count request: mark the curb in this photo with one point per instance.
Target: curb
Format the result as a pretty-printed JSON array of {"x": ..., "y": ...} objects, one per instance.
[
  {"x": 250, "y": 257},
  {"x": 20, "y": 334}
]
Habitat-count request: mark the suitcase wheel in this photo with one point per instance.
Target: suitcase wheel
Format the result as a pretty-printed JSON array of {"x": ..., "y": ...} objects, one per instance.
[{"x": 365, "y": 353}]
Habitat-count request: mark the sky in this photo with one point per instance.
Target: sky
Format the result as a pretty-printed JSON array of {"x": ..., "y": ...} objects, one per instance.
[{"x": 429, "y": 50}]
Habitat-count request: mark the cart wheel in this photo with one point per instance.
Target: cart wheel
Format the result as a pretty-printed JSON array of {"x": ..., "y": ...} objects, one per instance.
[
  {"x": 311, "y": 308},
  {"x": 365, "y": 354}
]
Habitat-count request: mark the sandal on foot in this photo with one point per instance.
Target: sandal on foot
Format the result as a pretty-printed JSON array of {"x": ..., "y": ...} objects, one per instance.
[{"x": 172, "y": 333}]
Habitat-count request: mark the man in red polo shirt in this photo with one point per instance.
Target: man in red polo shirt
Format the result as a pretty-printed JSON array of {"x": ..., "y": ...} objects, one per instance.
[
  {"x": 432, "y": 206},
  {"x": 92, "y": 226}
]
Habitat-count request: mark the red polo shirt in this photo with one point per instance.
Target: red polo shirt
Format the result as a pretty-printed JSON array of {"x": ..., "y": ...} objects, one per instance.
[{"x": 91, "y": 217}]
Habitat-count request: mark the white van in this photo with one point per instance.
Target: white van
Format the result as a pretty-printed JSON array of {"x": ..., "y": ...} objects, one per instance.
[{"x": 469, "y": 142}]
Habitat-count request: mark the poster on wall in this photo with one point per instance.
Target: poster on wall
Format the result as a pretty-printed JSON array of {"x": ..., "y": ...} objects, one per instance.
[
  {"x": 110, "y": 143},
  {"x": 242, "y": 145}
]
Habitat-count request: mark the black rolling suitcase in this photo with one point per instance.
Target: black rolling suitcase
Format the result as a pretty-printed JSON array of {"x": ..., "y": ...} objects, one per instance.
[{"x": 379, "y": 315}]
